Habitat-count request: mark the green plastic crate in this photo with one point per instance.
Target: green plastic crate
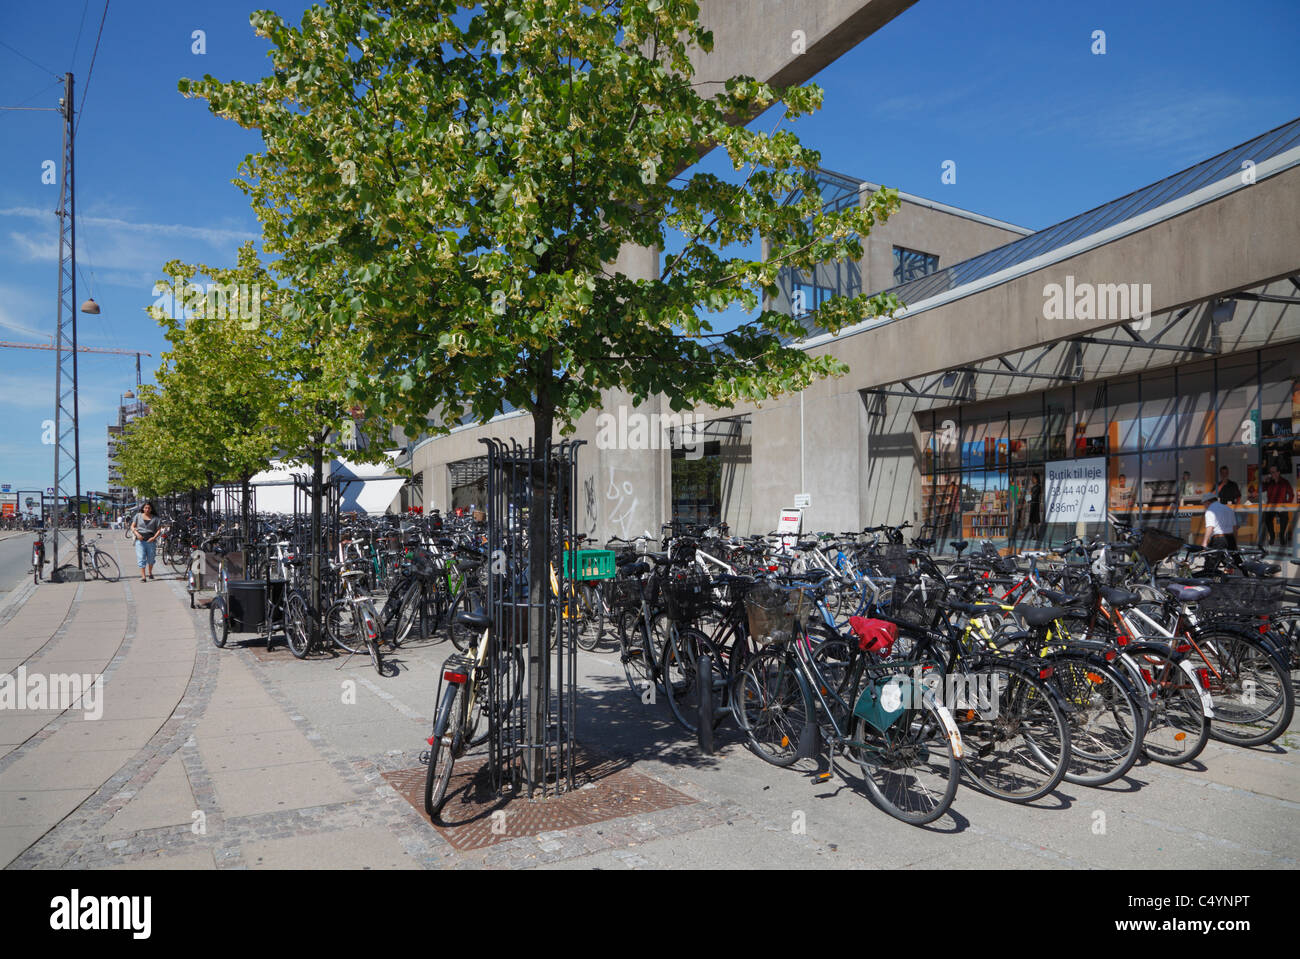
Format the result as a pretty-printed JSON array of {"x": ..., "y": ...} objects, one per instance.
[{"x": 592, "y": 564}]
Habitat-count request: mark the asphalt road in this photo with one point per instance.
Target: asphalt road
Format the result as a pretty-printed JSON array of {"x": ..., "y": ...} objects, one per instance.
[{"x": 15, "y": 561}]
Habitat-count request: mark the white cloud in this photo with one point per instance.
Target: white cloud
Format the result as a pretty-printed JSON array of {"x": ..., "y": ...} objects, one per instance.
[{"x": 213, "y": 235}]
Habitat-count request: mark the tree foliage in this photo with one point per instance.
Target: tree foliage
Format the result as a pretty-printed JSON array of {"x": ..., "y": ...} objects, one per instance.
[
  {"x": 242, "y": 384},
  {"x": 447, "y": 187}
]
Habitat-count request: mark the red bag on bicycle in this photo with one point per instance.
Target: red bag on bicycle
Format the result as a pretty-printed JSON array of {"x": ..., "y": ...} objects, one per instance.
[{"x": 874, "y": 635}]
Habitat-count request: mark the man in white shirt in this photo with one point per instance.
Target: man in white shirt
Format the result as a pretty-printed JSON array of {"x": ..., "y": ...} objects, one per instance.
[{"x": 1220, "y": 524}]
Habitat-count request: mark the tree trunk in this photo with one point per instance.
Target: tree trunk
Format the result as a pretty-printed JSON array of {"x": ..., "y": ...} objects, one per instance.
[
  {"x": 246, "y": 516},
  {"x": 317, "y": 468},
  {"x": 539, "y": 586}
]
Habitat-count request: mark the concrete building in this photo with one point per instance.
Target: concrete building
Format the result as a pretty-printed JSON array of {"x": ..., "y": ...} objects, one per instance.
[{"x": 1153, "y": 338}]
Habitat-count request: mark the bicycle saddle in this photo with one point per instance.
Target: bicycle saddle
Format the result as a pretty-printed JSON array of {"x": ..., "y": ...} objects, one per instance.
[
  {"x": 1119, "y": 598},
  {"x": 959, "y": 545},
  {"x": 473, "y": 620},
  {"x": 1037, "y": 617},
  {"x": 1062, "y": 598},
  {"x": 1186, "y": 593},
  {"x": 1261, "y": 569}
]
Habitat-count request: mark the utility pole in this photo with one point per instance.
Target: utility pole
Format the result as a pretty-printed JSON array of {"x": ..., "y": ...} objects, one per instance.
[{"x": 65, "y": 367}]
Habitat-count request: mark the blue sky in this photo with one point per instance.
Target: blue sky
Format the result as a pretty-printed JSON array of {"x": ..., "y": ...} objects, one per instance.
[{"x": 1039, "y": 128}]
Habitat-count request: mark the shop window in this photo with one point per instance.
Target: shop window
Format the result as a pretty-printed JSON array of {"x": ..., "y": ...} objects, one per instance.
[
  {"x": 1159, "y": 423},
  {"x": 1279, "y": 413},
  {"x": 1058, "y": 407},
  {"x": 1124, "y": 480},
  {"x": 1237, "y": 410},
  {"x": 1195, "y": 405},
  {"x": 1238, "y": 481},
  {"x": 1124, "y": 433},
  {"x": 1158, "y": 495}
]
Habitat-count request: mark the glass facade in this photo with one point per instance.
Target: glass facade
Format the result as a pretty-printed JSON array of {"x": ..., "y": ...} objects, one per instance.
[{"x": 1167, "y": 438}]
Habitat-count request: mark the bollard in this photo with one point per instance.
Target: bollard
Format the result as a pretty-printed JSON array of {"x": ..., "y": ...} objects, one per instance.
[{"x": 704, "y": 688}]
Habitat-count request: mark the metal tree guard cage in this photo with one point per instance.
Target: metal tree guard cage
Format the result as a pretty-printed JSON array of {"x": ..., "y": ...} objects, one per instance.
[{"x": 531, "y": 748}]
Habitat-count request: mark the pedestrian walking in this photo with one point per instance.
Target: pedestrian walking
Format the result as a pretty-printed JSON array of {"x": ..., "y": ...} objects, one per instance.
[
  {"x": 1220, "y": 524},
  {"x": 145, "y": 527}
]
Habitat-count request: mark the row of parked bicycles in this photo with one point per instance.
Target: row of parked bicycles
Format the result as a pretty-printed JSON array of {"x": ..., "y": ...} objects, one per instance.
[
  {"x": 382, "y": 581},
  {"x": 922, "y": 670}
]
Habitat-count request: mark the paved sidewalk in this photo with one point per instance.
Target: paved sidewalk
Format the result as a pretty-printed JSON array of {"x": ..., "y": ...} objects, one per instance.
[{"x": 239, "y": 758}]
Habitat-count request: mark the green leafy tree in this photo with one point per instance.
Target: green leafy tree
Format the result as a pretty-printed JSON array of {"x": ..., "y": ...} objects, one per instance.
[
  {"x": 464, "y": 177},
  {"x": 448, "y": 186}
]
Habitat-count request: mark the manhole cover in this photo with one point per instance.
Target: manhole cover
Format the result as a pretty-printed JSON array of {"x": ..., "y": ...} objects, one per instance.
[{"x": 474, "y": 817}]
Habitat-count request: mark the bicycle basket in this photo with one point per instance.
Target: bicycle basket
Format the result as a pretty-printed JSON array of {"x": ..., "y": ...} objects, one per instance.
[
  {"x": 909, "y": 603},
  {"x": 892, "y": 560},
  {"x": 624, "y": 593},
  {"x": 772, "y": 613},
  {"x": 1156, "y": 545},
  {"x": 1245, "y": 596},
  {"x": 687, "y": 595}
]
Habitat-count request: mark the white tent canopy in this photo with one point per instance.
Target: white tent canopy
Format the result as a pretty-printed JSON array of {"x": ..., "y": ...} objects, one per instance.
[{"x": 366, "y": 487}]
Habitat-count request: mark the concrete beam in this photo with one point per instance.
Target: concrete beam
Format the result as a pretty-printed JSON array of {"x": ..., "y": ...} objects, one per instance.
[{"x": 757, "y": 38}]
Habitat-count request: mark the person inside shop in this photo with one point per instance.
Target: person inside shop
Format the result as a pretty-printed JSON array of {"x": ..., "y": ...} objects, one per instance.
[
  {"x": 1277, "y": 493},
  {"x": 1034, "y": 499},
  {"x": 1228, "y": 491}
]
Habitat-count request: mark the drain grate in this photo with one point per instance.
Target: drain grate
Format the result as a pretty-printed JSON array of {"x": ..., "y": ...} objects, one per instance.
[{"x": 473, "y": 817}]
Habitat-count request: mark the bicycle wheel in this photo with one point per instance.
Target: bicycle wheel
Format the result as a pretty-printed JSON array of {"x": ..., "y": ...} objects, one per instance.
[
  {"x": 1105, "y": 720},
  {"x": 1015, "y": 738},
  {"x": 1177, "y": 728},
  {"x": 772, "y": 705},
  {"x": 343, "y": 627},
  {"x": 462, "y": 637},
  {"x": 592, "y": 616},
  {"x": 1253, "y": 699},
  {"x": 680, "y": 669},
  {"x": 218, "y": 624},
  {"x": 444, "y": 746},
  {"x": 297, "y": 627},
  {"x": 370, "y": 630},
  {"x": 911, "y": 769},
  {"x": 638, "y": 662},
  {"x": 106, "y": 566},
  {"x": 408, "y": 614}
]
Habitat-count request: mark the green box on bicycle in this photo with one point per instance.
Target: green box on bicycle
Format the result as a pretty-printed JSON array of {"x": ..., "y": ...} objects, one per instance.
[{"x": 592, "y": 564}]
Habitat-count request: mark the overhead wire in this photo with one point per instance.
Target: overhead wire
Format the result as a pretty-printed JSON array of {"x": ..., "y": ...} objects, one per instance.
[{"x": 91, "y": 71}]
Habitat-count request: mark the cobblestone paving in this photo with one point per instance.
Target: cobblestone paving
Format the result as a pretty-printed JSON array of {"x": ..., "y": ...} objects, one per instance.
[{"x": 83, "y": 840}]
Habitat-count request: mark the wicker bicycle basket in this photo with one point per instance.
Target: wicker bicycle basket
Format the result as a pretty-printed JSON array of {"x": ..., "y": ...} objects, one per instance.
[
  {"x": 773, "y": 612},
  {"x": 1156, "y": 545},
  {"x": 1245, "y": 596}
]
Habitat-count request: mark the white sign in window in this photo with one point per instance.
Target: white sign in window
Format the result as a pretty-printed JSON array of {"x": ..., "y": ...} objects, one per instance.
[{"x": 1076, "y": 491}]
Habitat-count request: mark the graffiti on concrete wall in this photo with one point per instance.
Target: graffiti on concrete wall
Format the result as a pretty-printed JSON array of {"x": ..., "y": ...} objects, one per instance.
[{"x": 623, "y": 496}]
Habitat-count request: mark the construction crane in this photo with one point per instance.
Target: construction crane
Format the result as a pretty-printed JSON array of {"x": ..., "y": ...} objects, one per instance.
[{"x": 82, "y": 349}]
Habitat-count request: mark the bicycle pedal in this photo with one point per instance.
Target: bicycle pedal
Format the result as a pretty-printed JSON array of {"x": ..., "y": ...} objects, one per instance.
[
  {"x": 424, "y": 758},
  {"x": 821, "y": 777}
]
